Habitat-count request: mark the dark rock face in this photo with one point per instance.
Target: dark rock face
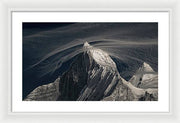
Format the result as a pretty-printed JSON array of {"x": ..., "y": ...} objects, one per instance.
[
  {"x": 147, "y": 97},
  {"x": 93, "y": 76},
  {"x": 73, "y": 81}
]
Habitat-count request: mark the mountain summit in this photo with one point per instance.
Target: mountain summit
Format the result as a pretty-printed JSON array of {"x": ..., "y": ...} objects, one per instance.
[
  {"x": 146, "y": 67},
  {"x": 145, "y": 77},
  {"x": 86, "y": 44},
  {"x": 92, "y": 76},
  {"x": 99, "y": 55}
]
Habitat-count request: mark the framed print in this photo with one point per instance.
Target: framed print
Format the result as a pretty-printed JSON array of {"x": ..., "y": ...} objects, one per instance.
[
  {"x": 76, "y": 61},
  {"x": 112, "y": 62}
]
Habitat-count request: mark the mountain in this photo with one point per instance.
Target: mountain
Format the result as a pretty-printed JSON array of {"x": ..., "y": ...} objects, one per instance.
[
  {"x": 47, "y": 92},
  {"x": 145, "y": 77},
  {"x": 93, "y": 76}
]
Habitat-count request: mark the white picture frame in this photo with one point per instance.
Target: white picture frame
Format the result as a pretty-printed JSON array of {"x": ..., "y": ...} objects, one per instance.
[{"x": 8, "y": 6}]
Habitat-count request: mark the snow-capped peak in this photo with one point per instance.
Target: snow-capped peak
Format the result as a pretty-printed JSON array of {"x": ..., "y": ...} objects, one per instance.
[
  {"x": 147, "y": 68},
  {"x": 99, "y": 55},
  {"x": 86, "y": 44}
]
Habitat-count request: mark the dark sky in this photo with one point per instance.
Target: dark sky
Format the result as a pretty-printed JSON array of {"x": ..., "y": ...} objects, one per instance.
[{"x": 49, "y": 48}]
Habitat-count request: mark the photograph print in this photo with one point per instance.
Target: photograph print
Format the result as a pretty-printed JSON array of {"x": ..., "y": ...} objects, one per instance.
[{"x": 90, "y": 61}]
